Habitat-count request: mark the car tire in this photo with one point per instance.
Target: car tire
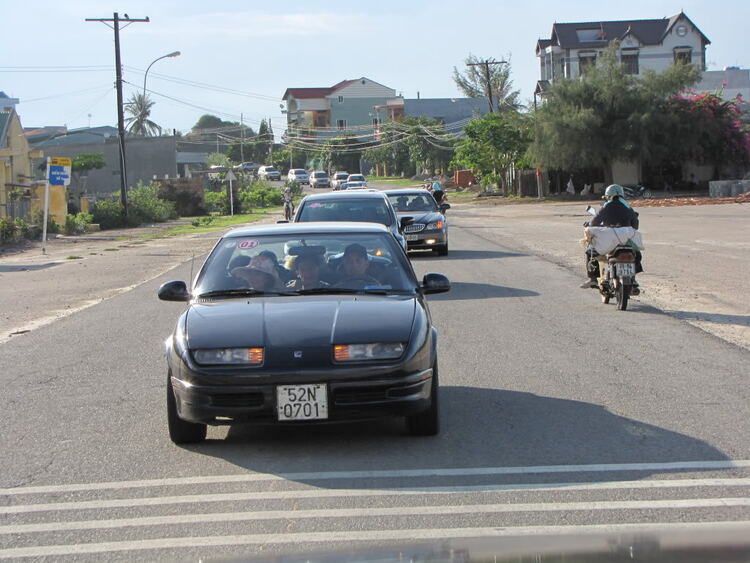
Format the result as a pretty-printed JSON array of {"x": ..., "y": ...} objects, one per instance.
[
  {"x": 181, "y": 431},
  {"x": 427, "y": 423},
  {"x": 442, "y": 250}
]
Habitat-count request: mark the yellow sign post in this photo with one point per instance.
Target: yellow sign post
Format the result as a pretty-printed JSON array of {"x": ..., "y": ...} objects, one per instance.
[{"x": 58, "y": 174}]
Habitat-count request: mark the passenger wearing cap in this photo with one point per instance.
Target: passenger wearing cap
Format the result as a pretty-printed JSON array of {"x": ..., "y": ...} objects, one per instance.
[
  {"x": 356, "y": 264},
  {"x": 616, "y": 212},
  {"x": 259, "y": 274}
]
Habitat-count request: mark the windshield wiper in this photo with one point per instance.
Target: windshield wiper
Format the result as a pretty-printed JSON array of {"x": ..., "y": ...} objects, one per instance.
[{"x": 241, "y": 293}]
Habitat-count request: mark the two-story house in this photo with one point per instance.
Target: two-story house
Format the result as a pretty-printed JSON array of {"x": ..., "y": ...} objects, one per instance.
[
  {"x": 345, "y": 108},
  {"x": 16, "y": 174},
  {"x": 644, "y": 44}
]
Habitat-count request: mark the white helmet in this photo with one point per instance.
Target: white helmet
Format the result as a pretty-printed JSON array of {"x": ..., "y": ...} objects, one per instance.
[{"x": 613, "y": 190}]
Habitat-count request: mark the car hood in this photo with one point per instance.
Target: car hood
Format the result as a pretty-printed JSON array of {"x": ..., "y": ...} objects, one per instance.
[
  {"x": 311, "y": 324},
  {"x": 422, "y": 217}
]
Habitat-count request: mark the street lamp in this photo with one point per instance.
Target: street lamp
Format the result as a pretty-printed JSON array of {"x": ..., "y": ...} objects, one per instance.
[{"x": 170, "y": 55}]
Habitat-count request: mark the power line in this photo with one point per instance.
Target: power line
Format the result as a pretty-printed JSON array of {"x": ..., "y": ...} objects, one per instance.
[{"x": 486, "y": 64}]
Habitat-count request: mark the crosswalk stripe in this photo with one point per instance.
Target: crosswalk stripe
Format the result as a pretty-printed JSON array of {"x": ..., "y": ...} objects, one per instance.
[
  {"x": 349, "y": 536},
  {"x": 265, "y": 515},
  {"x": 380, "y": 474},
  {"x": 328, "y": 493}
]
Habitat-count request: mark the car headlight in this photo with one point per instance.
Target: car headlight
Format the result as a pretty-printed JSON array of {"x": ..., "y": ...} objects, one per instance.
[
  {"x": 365, "y": 352},
  {"x": 229, "y": 356},
  {"x": 436, "y": 226}
]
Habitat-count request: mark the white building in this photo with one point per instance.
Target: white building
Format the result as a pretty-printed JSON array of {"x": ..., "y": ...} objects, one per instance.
[
  {"x": 644, "y": 44},
  {"x": 730, "y": 82}
]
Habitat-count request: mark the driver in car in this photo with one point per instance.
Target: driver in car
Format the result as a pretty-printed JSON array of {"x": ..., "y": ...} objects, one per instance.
[
  {"x": 356, "y": 264},
  {"x": 260, "y": 274}
]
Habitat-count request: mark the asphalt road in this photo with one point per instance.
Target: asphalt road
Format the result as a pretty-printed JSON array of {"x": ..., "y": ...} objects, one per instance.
[{"x": 559, "y": 416}]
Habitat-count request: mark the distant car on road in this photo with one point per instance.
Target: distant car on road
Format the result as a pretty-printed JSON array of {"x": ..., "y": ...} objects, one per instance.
[
  {"x": 423, "y": 220},
  {"x": 355, "y": 342},
  {"x": 269, "y": 173},
  {"x": 319, "y": 179},
  {"x": 339, "y": 178},
  {"x": 249, "y": 167},
  {"x": 369, "y": 206},
  {"x": 298, "y": 175},
  {"x": 355, "y": 181}
]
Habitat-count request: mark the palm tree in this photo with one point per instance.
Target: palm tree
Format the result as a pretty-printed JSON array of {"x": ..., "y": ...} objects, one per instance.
[{"x": 138, "y": 107}]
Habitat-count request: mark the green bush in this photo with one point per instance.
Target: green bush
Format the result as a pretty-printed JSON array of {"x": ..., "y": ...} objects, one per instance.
[
  {"x": 14, "y": 229},
  {"x": 216, "y": 202},
  {"x": 295, "y": 186},
  {"x": 259, "y": 195},
  {"x": 38, "y": 219},
  {"x": 76, "y": 224},
  {"x": 8, "y": 230},
  {"x": 145, "y": 206},
  {"x": 108, "y": 214},
  {"x": 202, "y": 221}
]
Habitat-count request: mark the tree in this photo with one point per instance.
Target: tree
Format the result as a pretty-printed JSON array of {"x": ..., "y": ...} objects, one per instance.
[
  {"x": 219, "y": 159},
  {"x": 430, "y": 149},
  {"x": 339, "y": 154},
  {"x": 391, "y": 153},
  {"x": 138, "y": 107},
  {"x": 474, "y": 84},
  {"x": 491, "y": 146},
  {"x": 83, "y": 163},
  {"x": 605, "y": 115}
]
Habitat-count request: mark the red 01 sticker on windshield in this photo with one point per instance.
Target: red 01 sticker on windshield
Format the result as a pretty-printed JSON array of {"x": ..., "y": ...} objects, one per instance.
[{"x": 248, "y": 244}]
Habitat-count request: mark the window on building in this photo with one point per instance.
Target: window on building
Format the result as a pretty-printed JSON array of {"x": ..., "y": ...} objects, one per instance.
[
  {"x": 594, "y": 34},
  {"x": 341, "y": 124},
  {"x": 683, "y": 55},
  {"x": 629, "y": 59},
  {"x": 341, "y": 99},
  {"x": 586, "y": 61}
]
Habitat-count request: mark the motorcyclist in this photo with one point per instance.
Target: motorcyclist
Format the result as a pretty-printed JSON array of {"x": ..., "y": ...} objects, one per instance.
[
  {"x": 616, "y": 212},
  {"x": 288, "y": 203},
  {"x": 438, "y": 193}
]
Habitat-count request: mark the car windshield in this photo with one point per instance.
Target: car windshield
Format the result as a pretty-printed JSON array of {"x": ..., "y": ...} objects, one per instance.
[
  {"x": 342, "y": 176},
  {"x": 368, "y": 210},
  {"x": 274, "y": 265},
  {"x": 404, "y": 203},
  {"x": 319, "y": 174},
  {"x": 270, "y": 169},
  {"x": 356, "y": 178}
]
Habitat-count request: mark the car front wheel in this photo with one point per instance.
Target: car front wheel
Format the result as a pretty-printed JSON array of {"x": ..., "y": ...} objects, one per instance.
[
  {"x": 427, "y": 423},
  {"x": 181, "y": 431},
  {"x": 442, "y": 250}
]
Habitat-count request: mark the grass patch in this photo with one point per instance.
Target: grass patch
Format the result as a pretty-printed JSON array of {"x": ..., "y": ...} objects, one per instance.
[
  {"x": 218, "y": 223},
  {"x": 74, "y": 257},
  {"x": 112, "y": 250}
]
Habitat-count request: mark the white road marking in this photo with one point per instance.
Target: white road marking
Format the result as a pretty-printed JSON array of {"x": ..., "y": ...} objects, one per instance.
[
  {"x": 372, "y": 512},
  {"x": 333, "y": 493},
  {"x": 380, "y": 474},
  {"x": 740, "y": 527}
]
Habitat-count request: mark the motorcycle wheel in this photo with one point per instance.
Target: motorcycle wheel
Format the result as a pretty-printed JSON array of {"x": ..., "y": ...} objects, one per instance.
[
  {"x": 622, "y": 293},
  {"x": 647, "y": 194}
]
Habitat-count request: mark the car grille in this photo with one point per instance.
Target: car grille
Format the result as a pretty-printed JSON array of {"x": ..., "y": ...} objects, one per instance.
[
  {"x": 414, "y": 228},
  {"x": 238, "y": 400}
]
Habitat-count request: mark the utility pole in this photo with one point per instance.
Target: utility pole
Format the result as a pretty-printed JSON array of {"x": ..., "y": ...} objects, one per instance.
[
  {"x": 116, "y": 19},
  {"x": 486, "y": 64},
  {"x": 242, "y": 140}
]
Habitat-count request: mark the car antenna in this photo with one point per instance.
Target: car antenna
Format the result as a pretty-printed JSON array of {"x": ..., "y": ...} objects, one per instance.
[{"x": 192, "y": 261}]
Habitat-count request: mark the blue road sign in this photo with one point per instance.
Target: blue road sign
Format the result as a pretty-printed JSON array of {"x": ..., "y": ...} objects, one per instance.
[{"x": 57, "y": 175}]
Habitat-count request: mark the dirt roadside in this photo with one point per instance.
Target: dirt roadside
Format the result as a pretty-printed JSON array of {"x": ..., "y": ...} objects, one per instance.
[
  {"x": 696, "y": 261},
  {"x": 78, "y": 272}
]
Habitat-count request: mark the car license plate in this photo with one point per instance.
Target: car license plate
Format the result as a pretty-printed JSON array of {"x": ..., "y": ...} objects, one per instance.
[
  {"x": 625, "y": 269},
  {"x": 302, "y": 402},
  {"x": 412, "y": 237}
]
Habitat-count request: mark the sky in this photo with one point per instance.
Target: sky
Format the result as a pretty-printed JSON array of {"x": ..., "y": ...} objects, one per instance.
[{"x": 238, "y": 57}]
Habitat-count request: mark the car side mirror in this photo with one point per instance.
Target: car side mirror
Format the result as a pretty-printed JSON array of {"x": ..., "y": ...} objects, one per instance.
[
  {"x": 435, "y": 283},
  {"x": 445, "y": 206},
  {"x": 405, "y": 221},
  {"x": 174, "y": 291}
]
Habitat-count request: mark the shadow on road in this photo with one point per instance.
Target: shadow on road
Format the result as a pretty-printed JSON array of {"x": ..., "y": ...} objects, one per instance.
[
  {"x": 718, "y": 318},
  {"x": 480, "y": 428},
  {"x": 27, "y": 267},
  {"x": 467, "y": 255},
  {"x": 471, "y": 290}
]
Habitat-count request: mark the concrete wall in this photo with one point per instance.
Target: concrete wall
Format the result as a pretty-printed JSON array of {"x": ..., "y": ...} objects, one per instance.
[
  {"x": 625, "y": 172},
  {"x": 356, "y": 111},
  {"x": 146, "y": 157},
  {"x": 728, "y": 188}
]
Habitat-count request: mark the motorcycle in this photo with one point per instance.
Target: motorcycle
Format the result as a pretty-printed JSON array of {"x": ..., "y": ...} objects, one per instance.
[
  {"x": 637, "y": 192},
  {"x": 616, "y": 272}
]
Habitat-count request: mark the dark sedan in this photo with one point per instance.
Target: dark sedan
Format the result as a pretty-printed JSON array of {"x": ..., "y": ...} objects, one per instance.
[
  {"x": 303, "y": 323},
  {"x": 425, "y": 226}
]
